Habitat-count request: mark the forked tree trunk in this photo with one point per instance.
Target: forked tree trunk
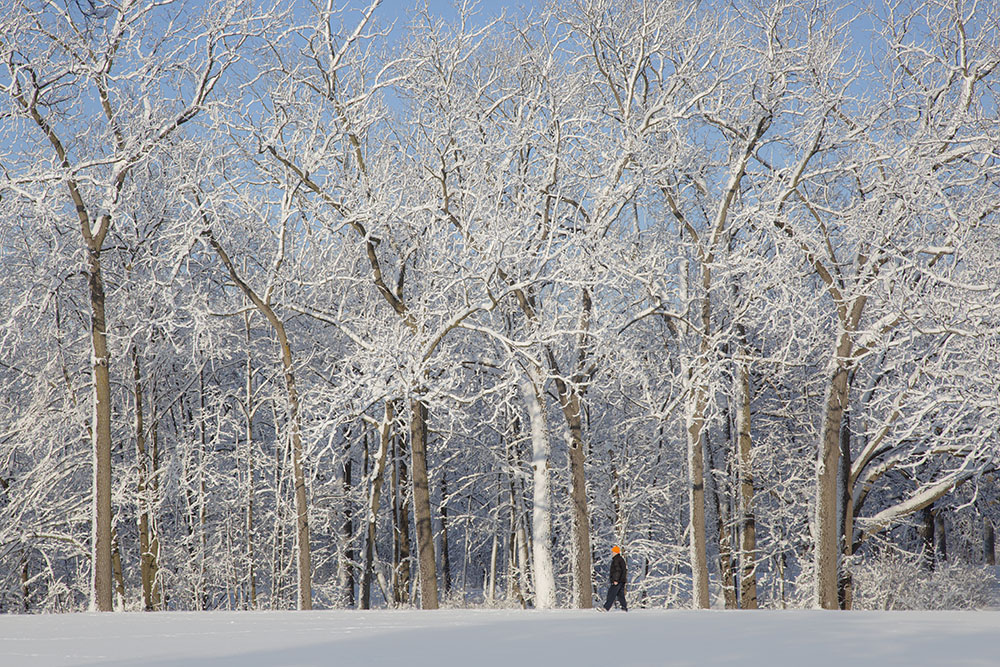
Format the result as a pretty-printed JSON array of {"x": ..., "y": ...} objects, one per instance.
[
  {"x": 101, "y": 598},
  {"x": 304, "y": 558},
  {"x": 697, "y": 405},
  {"x": 827, "y": 532}
]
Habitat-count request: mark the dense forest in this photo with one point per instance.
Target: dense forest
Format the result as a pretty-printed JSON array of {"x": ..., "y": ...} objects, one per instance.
[{"x": 314, "y": 306}]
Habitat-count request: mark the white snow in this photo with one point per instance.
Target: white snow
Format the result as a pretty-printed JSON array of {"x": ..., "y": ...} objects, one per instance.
[{"x": 484, "y": 638}]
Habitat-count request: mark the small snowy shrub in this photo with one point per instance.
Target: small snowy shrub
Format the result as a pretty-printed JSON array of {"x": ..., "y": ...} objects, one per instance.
[{"x": 895, "y": 582}]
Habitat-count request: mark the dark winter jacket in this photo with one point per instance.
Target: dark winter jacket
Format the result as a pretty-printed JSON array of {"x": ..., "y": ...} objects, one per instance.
[{"x": 619, "y": 572}]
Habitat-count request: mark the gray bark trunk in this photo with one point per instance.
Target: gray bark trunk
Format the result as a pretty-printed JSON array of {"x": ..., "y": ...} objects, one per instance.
[
  {"x": 748, "y": 523},
  {"x": 347, "y": 558},
  {"x": 827, "y": 534},
  {"x": 374, "y": 496},
  {"x": 723, "y": 526},
  {"x": 696, "y": 503},
  {"x": 116, "y": 569},
  {"x": 147, "y": 558},
  {"x": 583, "y": 587},
  {"x": 101, "y": 588},
  {"x": 249, "y": 413},
  {"x": 541, "y": 515},
  {"x": 846, "y": 583},
  {"x": 401, "y": 516},
  {"x": 426, "y": 561}
]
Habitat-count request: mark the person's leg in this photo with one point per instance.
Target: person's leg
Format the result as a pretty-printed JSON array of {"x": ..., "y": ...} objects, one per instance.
[
  {"x": 612, "y": 592},
  {"x": 621, "y": 597}
]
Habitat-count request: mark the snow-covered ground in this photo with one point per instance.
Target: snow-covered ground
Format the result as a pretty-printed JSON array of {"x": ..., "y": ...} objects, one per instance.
[{"x": 482, "y": 638}]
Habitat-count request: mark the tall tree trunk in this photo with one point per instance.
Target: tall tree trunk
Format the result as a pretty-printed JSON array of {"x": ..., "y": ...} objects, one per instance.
[
  {"x": 427, "y": 563},
  {"x": 101, "y": 585},
  {"x": 724, "y": 531},
  {"x": 846, "y": 584},
  {"x": 491, "y": 580},
  {"x": 827, "y": 533},
  {"x": 541, "y": 516},
  {"x": 101, "y": 598},
  {"x": 304, "y": 560},
  {"x": 748, "y": 524},
  {"x": 402, "y": 517},
  {"x": 347, "y": 558},
  {"x": 249, "y": 412},
  {"x": 374, "y": 494},
  {"x": 696, "y": 503},
  {"x": 278, "y": 531},
  {"x": 157, "y": 594},
  {"x": 466, "y": 550},
  {"x": 202, "y": 500},
  {"x": 580, "y": 555},
  {"x": 147, "y": 560},
  {"x": 695, "y": 423},
  {"x": 191, "y": 515},
  {"x": 517, "y": 569},
  {"x": 250, "y": 526}
]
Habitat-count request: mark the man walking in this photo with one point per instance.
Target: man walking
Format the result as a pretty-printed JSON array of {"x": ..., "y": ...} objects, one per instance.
[{"x": 619, "y": 575}]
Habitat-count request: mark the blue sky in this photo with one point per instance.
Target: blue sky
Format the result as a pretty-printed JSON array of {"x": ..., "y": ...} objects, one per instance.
[{"x": 396, "y": 10}]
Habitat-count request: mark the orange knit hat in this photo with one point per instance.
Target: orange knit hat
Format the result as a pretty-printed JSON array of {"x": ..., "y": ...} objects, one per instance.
[{"x": 615, "y": 549}]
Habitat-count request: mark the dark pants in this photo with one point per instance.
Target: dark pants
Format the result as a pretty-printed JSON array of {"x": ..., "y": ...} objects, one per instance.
[{"x": 616, "y": 591}]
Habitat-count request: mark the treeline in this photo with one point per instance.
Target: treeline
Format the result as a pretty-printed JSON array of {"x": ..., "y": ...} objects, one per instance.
[{"x": 302, "y": 307}]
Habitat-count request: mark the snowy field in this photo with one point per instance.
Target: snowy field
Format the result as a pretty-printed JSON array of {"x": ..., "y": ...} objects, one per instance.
[{"x": 507, "y": 638}]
